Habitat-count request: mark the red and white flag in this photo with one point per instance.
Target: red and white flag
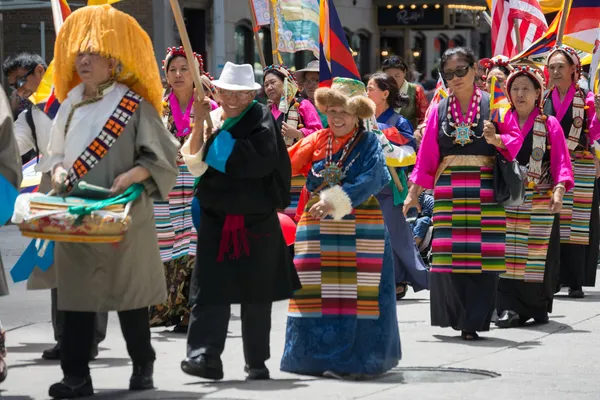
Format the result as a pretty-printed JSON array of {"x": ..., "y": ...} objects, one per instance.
[{"x": 531, "y": 20}]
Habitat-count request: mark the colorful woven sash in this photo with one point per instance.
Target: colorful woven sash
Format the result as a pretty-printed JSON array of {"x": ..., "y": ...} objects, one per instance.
[
  {"x": 577, "y": 203},
  {"x": 528, "y": 229},
  {"x": 109, "y": 134},
  {"x": 339, "y": 264}
]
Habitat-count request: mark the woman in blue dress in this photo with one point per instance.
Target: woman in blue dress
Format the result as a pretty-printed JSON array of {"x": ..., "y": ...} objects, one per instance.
[
  {"x": 342, "y": 323},
  {"x": 408, "y": 264}
]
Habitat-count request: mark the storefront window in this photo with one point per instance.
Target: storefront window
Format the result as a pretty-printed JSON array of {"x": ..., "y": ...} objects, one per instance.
[{"x": 244, "y": 44}]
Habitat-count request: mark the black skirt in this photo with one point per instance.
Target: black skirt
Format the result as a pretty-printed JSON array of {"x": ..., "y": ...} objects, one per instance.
[
  {"x": 264, "y": 275},
  {"x": 529, "y": 299},
  {"x": 578, "y": 263},
  {"x": 464, "y": 302}
]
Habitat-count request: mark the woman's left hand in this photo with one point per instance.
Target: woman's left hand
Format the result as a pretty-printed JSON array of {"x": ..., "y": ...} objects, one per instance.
[
  {"x": 556, "y": 201},
  {"x": 290, "y": 132},
  {"x": 489, "y": 133},
  {"x": 122, "y": 183},
  {"x": 320, "y": 210},
  {"x": 597, "y": 105}
]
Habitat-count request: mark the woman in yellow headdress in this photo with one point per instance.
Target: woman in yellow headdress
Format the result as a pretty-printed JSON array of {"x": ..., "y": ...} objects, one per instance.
[{"x": 108, "y": 133}]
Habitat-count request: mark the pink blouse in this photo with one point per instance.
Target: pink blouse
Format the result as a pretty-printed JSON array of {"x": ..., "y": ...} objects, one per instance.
[
  {"x": 428, "y": 158},
  {"x": 309, "y": 114},
  {"x": 561, "y": 108},
  {"x": 561, "y": 167}
]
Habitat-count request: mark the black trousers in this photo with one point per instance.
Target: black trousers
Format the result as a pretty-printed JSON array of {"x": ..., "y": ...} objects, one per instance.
[
  {"x": 78, "y": 339},
  {"x": 207, "y": 331},
  {"x": 58, "y": 322}
]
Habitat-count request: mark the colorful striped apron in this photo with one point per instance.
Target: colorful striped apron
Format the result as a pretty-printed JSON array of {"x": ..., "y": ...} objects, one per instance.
[
  {"x": 339, "y": 263},
  {"x": 298, "y": 183},
  {"x": 528, "y": 229},
  {"x": 577, "y": 203},
  {"x": 469, "y": 226}
]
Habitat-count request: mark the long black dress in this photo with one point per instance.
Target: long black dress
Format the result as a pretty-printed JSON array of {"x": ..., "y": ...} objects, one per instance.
[
  {"x": 255, "y": 182},
  {"x": 578, "y": 263}
]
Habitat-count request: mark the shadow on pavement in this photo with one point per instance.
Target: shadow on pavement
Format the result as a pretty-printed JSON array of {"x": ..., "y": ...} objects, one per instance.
[
  {"x": 114, "y": 394},
  {"x": 268, "y": 385},
  {"x": 30, "y": 347},
  {"x": 14, "y": 397},
  {"x": 589, "y": 297},
  {"x": 101, "y": 362},
  {"x": 484, "y": 341}
]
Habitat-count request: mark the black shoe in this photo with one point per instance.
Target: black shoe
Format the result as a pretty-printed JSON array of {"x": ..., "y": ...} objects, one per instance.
[
  {"x": 508, "y": 319},
  {"x": 94, "y": 353},
  {"x": 179, "y": 328},
  {"x": 257, "y": 373},
  {"x": 141, "y": 379},
  {"x": 203, "y": 367},
  {"x": 576, "y": 293},
  {"x": 52, "y": 354},
  {"x": 72, "y": 387},
  {"x": 544, "y": 320}
]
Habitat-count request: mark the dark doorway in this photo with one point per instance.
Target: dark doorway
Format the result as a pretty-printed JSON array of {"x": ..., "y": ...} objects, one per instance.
[{"x": 195, "y": 23}]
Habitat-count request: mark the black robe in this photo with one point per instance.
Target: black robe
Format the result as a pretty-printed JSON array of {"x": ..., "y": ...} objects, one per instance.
[
  {"x": 256, "y": 182},
  {"x": 578, "y": 263}
]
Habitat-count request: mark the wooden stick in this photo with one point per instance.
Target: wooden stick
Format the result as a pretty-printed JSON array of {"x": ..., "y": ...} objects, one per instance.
[
  {"x": 259, "y": 46},
  {"x": 518, "y": 35},
  {"x": 57, "y": 16},
  {"x": 396, "y": 179},
  {"x": 187, "y": 46},
  {"x": 563, "y": 22}
]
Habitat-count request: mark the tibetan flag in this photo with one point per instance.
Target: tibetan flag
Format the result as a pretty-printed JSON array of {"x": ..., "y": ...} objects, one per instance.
[
  {"x": 595, "y": 66},
  {"x": 31, "y": 178},
  {"x": 335, "y": 59},
  {"x": 499, "y": 104},
  {"x": 100, "y": 2},
  {"x": 440, "y": 93}
]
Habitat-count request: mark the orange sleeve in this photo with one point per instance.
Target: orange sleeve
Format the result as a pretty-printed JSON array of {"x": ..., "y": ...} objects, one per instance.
[
  {"x": 422, "y": 104},
  {"x": 301, "y": 155}
]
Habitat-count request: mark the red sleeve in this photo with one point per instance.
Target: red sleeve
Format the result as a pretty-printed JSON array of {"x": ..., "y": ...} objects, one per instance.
[{"x": 422, "y": 104}]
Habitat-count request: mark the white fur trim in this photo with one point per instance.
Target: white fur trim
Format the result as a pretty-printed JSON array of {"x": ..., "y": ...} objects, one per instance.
[
  {"x": 342, "y": 205},
  {"x": 194, "y": 162}
]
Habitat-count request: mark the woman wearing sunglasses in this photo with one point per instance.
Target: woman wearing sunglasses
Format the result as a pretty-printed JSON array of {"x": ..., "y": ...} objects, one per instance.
[{"x": 456, "y": 159}]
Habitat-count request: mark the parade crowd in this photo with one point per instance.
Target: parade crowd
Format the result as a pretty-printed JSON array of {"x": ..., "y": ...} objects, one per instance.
[{"x": 211, "y": 182}]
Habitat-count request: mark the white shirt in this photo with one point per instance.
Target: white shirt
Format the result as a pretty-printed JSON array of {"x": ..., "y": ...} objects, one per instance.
[
  {"x": 194, "y": 162},
  {"x": 86, "y": 123},
  {"x": 25, "y": 140}
]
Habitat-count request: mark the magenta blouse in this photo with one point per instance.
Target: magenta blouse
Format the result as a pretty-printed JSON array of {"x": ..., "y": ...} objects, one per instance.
[
  {"x": 309, "y": 114},
  {"x": 561, "y": 108},
  {"x": 561, "y": 167},
  {"x": 428, "y": 158}
]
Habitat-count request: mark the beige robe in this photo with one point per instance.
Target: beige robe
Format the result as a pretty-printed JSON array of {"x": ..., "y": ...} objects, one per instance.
[
  {"x": 128, "y": 275},
  {"x": 10, "y": 162}
]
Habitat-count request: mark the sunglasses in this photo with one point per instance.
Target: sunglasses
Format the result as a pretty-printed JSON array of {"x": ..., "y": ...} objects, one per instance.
[
  {"x": 459, "y": 72},
  {"x": 22, "y": 80}
]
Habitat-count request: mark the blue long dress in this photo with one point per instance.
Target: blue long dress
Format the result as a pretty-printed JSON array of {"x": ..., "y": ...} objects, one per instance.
[
  {"x": 408, "y": 264},
  {"x": 334, "y": 337}
]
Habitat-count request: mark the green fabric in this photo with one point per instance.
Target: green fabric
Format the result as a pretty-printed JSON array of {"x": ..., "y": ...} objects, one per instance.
[
  {"x": 132, "y": 193},
  {"x": 410, "y": 111},
  {"x": 399, "y": 196},
  {"x": 228, "y": 124},
  {"x": 323, "y": 118}
]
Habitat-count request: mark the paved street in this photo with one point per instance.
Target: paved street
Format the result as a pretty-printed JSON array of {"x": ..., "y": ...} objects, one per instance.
[{"x": 537, "y": 362}]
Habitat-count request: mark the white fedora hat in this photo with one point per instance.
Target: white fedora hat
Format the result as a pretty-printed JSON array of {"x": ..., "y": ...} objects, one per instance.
[
  {"x": 312, "y": 66},
  {"x": 237, "y": 77}
]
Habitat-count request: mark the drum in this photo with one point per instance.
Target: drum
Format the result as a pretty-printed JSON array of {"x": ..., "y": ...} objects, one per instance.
[{"x": 47, "y": 217}]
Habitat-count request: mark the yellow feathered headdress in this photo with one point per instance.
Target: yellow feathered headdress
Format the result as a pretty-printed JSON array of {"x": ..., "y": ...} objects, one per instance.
[{"x": 113, "y": 34}]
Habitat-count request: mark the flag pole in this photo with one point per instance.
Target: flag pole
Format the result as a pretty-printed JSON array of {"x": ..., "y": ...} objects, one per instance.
[
  {"x": 257, "y": 39},
  {"x": 518, "y": 35},
  {"x": 57, "y": 16},
  {"x": 274, "y": 42},
  {"x": 185, "y": 39},
  {"x": 563, "y": 22}
]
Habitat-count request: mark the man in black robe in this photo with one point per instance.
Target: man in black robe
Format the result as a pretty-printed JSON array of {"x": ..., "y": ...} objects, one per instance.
[{"x": 245, "y": 176}]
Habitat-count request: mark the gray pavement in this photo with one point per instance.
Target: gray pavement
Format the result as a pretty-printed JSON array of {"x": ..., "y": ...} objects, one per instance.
[{"x": 552, "y": 361}]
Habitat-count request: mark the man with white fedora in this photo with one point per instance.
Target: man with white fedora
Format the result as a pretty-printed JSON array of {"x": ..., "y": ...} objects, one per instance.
[
  {"x": 308, "y": 78},
  {"x": 245, "y": 174}
]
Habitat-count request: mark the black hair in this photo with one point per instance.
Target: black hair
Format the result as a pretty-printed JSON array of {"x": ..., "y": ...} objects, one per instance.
[
  {"x": 274, "y": 72},
  {"x": 465, "y": 53},
  {"x": 384, "y": 82},
  {"x": 564, "y": 53},
  {"x": 22, "y": 60},
  {"x": 501, "y": 68},
  {"x": 175, "y": 57},
  {"x": 394, "y": 62}
]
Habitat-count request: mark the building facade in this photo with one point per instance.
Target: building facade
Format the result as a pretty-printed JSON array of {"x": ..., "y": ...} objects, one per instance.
[{"x": 221, "y": 30}]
